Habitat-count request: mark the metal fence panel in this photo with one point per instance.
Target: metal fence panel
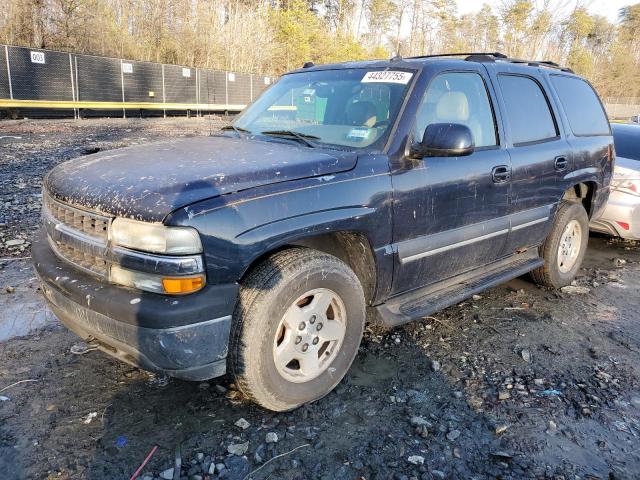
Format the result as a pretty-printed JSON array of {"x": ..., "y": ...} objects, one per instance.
[
  {"x": 98, "y": 79},
  {"x": 60, "y": 80},
  {"x": 239, "y": 87},
  {"x": 219, "y": 87},
  {"x": 259, "y": 83},
  {"x": 180, "y": 84},
  {"x": 4, "y": 76},
  {"x": 142, "y": 81},
  {"x": 205, "y": 86},
  {"x": 40, "y": 74}
]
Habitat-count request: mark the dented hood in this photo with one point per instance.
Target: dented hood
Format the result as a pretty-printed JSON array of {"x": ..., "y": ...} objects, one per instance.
[{"x": 147, "y": 182}]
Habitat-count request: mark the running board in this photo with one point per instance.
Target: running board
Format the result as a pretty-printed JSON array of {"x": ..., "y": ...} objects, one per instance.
[{"x": 432, "y": 298}]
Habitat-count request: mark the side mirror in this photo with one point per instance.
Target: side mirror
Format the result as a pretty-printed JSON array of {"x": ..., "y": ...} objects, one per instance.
[{"x": 444, "y": 140}]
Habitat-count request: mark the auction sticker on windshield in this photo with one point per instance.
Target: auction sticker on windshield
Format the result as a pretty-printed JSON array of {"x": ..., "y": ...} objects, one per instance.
[{"x": 387, "y": 76}]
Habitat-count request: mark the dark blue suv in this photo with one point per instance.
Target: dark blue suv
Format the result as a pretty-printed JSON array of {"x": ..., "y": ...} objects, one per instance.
[{"x": 384, "y": 190}]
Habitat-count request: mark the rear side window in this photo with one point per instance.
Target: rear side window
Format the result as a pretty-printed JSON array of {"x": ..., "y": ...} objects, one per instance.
[
  {"x": 527, "y": 109},
  {"x": 581, "y": 104}
]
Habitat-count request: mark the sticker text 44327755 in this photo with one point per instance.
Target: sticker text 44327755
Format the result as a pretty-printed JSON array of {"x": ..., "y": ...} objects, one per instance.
[{"x": 387, "y": 76}]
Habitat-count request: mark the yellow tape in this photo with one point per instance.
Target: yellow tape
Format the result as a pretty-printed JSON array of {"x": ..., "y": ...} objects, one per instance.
[{"x": 7, "y": 103}]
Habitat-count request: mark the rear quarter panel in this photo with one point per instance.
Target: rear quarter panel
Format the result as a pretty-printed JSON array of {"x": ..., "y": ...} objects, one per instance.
[{"x": 590, "y": 160}]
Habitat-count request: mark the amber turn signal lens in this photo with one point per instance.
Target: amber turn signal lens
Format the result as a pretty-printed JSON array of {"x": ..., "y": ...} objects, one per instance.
[{"x": 182, "y": 285}]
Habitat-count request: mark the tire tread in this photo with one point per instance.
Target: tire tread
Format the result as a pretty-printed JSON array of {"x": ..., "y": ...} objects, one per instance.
[
  {"x": 256, "y": 285},
  {"x": 544, "y": 275}
]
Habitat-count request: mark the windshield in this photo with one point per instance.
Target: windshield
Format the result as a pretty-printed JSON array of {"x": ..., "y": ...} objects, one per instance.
[{"x": 346, "y": 108}]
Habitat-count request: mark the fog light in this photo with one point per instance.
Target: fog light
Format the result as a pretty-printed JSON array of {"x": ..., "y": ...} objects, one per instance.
[{"x": 182, "y": 285}]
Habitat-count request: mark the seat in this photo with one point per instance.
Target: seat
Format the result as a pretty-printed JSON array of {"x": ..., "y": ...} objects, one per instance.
[
  {"x": 453, "y": 107},
  {"x": 361, "y": 114}
]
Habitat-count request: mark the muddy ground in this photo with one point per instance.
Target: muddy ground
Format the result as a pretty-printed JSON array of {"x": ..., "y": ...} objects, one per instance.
[{"x": 521, "y": 382}]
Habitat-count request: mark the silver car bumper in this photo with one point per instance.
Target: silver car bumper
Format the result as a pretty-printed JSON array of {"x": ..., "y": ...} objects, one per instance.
[{"x": 621, "y": 216}]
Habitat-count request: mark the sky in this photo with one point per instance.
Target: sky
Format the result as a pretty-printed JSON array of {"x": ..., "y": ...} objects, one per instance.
[{"x": 607, "y": 8}]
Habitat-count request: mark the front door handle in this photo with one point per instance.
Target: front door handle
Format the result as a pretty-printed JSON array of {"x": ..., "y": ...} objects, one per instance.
[
  {"x": 560, "y": 163},
  {"x": 501, "y": 174}
]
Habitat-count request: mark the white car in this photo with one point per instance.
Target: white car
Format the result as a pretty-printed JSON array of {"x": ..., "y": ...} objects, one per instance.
[{"x": 621, "y": 216}]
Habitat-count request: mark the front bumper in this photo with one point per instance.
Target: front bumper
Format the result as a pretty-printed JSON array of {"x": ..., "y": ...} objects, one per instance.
[
  {"x": 621, "y": 207},
  {"x": 185, "y": 337}
]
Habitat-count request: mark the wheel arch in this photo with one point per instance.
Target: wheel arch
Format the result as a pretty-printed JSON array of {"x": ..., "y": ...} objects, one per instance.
[
  {"x": 583, "y": 192},
  {"x": 353, "y": 248}
]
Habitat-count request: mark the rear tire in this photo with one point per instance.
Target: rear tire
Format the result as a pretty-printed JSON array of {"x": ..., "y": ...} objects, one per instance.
[
  {"x": 564, "y": 248},
  {"x": 302, "y": 305}
]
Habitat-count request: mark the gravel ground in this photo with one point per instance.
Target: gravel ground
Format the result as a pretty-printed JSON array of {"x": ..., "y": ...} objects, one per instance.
[{"x": 520, "y": 382}]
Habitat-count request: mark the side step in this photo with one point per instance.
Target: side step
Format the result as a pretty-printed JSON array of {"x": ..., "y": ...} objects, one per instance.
[{"x": 432, "y": 298}]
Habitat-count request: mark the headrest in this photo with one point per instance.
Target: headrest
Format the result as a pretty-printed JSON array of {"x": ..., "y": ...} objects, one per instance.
[{"x": 453, "y": 107}]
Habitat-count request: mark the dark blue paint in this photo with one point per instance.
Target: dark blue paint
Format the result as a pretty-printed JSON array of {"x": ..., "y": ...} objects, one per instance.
[
  {"x": 146, "y": 182},
  {"x": 250, "y": 196}
]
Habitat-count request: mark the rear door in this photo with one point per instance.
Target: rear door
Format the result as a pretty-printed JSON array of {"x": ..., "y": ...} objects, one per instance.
[
  {"x": 540, "y": 155},
  {"x": 450, "y": 213},
  {"x": 587, "y": 129}
]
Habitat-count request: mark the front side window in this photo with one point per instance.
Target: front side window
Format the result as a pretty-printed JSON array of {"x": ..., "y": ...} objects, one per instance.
[
  {"x": 458, "y": 97},
  {"x": 353, "y": 108},
  {"x": 527, "y": 109},
  {"x": 581, "y": 104}
]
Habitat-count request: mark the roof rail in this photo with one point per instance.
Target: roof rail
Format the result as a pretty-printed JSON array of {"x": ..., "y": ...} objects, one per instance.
[
  {"x": 487, "y": 57},
  {"x": 462, "y": 54},
  {"x": 492, "y": 57}
]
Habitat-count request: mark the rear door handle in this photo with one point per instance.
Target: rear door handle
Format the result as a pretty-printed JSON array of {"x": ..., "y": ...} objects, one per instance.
[
  {"x": 501, "y": 174},
  {"x": 560, "y": 163}
]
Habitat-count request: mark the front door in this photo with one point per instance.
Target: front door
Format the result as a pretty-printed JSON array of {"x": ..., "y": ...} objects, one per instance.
[{"x": 450, "y": 213}]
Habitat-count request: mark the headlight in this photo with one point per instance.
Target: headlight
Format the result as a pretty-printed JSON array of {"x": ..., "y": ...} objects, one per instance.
[
  {"x": 155, "y": 237},
  {"x": 156, "y": 283}
]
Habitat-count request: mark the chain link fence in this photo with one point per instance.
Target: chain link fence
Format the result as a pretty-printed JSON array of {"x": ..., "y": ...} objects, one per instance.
[
  {"x": 43, "y": 80},
  {"x": 622, "y": 108},
  {"x": 36, "y": 81}
]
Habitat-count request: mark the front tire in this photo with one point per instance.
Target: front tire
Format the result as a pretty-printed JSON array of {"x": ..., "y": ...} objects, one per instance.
[
  {"x": 564, "y": 249},
  {"x": 296, "y": 329}
]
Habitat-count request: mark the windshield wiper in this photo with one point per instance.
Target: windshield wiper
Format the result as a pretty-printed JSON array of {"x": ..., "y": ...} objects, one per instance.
[
  {"x": 238, "y": 130},
  {"x": 302, "y": 137}
]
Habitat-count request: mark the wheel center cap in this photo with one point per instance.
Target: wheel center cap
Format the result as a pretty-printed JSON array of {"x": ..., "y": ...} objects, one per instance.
[{"x": 307, "y": 339}]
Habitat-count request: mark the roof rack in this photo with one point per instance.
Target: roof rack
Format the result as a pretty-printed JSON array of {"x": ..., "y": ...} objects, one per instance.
[
  {"x": 490, "y": 57},
  {"x": 490, "y": 54}
]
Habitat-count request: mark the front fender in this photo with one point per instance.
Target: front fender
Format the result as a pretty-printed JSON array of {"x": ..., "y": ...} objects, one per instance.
[{"x": 237, "y": 229}]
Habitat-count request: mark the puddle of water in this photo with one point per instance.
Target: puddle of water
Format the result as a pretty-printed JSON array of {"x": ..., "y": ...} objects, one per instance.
[
  {"x": 18, "y": 319},
  {"x": 25, "y": 310},
  {"x": 372, "y": 370}
]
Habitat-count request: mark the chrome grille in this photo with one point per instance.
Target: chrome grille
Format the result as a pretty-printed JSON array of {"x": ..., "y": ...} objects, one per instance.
[
  {"x": 85, "y": 222},
  {"x": 77, "y": 236},
  {"x": 84, "y": 260},
  {"x": 81, "y": 238}
]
